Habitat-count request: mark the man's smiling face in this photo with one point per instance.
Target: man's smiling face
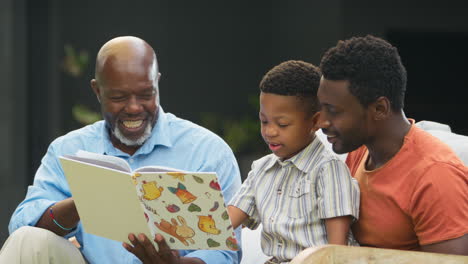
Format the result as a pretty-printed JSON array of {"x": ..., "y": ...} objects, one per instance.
[
  {"x": 342, "y": 118},
  {"x": 128, "y": 102},
  {"x": 126, "y": 85}
]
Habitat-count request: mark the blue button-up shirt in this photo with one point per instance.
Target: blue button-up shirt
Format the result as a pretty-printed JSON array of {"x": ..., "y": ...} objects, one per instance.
[{"x": 174, "y": 142}]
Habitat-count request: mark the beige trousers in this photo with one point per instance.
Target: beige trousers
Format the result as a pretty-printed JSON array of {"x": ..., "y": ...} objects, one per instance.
[{"x": 36, "y": 246}]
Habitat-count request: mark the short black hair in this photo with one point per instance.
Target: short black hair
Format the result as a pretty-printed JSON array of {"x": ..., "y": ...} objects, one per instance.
[
  {"x": 372, "y": 66},
  {"x": 294, "y": 78}
]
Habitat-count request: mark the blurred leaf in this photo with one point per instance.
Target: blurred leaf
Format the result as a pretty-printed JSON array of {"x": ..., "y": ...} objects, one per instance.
[
  {"x": 74, "y": 64},
  {"x": 84, "y": 115}
]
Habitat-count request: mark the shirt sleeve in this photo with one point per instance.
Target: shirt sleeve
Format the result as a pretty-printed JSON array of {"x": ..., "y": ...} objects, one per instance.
[
  {"x": 245, "y": 201},
  {"x": 439, "y": 205},
  {"x": 222, "y": 161},
  {"x": 49, "y": 187},
  {"x": 337, "y": 192}
]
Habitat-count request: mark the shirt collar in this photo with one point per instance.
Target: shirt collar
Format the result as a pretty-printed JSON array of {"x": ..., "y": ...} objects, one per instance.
[
  {"x": 301, "y": 160},
  {"x": 159, "y": 136}
]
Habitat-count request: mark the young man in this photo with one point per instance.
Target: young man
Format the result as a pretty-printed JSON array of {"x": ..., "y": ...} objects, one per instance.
[
  {"x": 414, "y": 189},
  {"x": 301, "y": 193},
  {"x": 135, "y": 128}
]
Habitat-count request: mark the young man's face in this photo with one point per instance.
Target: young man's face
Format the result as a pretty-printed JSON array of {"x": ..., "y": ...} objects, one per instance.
[
  {"x": 342, "y": 118},
  {"x": 285, "y": 126},
  {"x": 128, "y": 103}
]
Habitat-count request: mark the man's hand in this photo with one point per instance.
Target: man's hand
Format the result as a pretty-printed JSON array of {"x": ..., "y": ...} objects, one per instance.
[{"x": 147, "y": 253}]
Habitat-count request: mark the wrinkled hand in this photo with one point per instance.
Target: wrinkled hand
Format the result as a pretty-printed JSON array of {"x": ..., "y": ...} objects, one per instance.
[{"x": 147, "y": 253}]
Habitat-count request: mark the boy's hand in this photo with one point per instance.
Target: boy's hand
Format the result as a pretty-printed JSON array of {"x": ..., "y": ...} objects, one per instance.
[{"x": 147, "y": 253}]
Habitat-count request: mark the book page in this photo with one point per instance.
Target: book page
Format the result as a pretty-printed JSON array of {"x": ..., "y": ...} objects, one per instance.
[
  {"x": 187, "y": 209},
  {"x": 102, "y": 160},
  {"x": 106, "y": 200},
  {"x": 155, "y": 169}
]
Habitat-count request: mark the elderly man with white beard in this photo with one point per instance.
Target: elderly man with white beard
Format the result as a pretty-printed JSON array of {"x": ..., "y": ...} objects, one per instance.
[{"x": 135, "y": 128}]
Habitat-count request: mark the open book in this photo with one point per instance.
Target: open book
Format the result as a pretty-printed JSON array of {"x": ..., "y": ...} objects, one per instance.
[{"x": 187, "y": 208}]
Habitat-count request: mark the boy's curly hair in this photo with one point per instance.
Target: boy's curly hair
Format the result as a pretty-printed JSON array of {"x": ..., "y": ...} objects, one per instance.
[
  {"x": 294, "y": 78},
  {"x": 371, "y": 65}
]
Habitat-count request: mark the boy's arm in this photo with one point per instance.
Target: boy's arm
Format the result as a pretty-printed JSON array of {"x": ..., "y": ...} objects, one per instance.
[
  {"x": 236, "y": 215},
  {"x": 338, "y": 200},
  {"x": 338, "y": 229}
]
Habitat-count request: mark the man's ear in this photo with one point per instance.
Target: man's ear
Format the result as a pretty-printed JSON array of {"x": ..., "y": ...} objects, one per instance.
[
  {"x": 381, "y": 108},
  {"x": 95, "y": 87}
]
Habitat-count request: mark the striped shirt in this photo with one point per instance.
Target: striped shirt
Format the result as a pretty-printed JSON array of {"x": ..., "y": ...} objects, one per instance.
[{"x": 291, "y": 199}]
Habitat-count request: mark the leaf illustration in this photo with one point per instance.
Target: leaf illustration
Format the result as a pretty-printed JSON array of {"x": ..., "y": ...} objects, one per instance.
[{"x": 197, "y": 179}]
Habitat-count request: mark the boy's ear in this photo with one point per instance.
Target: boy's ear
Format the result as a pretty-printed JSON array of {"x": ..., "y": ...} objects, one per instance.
[{"x": 315, "y": 119}]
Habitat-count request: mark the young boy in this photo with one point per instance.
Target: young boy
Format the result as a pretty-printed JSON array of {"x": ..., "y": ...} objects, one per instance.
[{"x": 302, "y": 194}]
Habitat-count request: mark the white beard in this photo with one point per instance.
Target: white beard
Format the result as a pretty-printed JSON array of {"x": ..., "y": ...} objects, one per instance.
[{"x": 133, "y": 142}]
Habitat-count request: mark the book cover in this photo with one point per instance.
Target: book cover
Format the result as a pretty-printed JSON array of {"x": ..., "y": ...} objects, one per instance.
[{"x": 187, "y": 208}]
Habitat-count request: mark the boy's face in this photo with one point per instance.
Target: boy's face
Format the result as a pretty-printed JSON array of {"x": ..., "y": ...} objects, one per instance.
[
  {"x": 285, "y": 126},
  {"x": 342, "y": 118}
]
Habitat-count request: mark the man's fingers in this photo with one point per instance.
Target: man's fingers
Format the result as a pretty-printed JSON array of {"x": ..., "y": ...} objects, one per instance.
[
  {"x": 146, "y": 251},
  {"x": 164, "y": 250},
  {"x": 176, "y": 253},
  {"x": 148, "y": 247},
  {"x": 129, "y": 248},
  {"x": 137, "y": 249}
]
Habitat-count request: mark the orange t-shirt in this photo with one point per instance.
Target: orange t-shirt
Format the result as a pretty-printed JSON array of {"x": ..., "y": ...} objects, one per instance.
[{"x": 418, "y": 197}]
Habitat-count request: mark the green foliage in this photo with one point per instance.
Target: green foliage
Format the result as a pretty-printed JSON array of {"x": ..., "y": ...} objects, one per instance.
[
  {"x": 241, "y": 133},
  {"x": 84, "y": 115},
  {"x": 75, "y": 63}
]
